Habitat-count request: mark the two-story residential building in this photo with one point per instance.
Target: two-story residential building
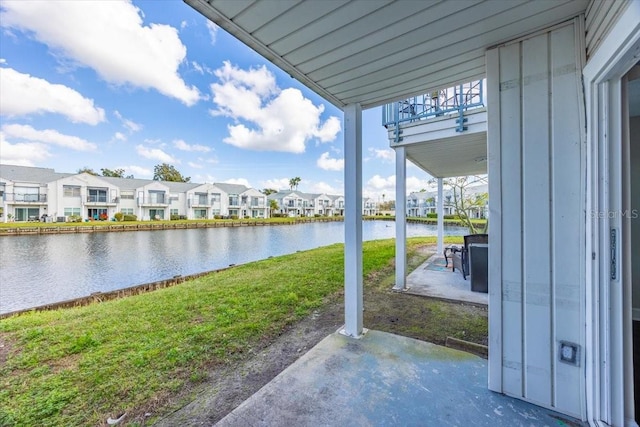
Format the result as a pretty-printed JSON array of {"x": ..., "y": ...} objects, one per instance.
[
  {"x": 31, "y": 194},
  {"x": 82, "y": 195},
  {"x": 422, "y": 203},
  {"x": 25, "y": 192},
  {"x": 295, "y": 203},
  {"x": 369, "y": 207}
]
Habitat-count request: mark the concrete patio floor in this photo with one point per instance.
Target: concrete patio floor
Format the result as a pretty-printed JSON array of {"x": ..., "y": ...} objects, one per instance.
[
  {"x": 431, "y": 279},
  {"x": 386, "y": 380}
]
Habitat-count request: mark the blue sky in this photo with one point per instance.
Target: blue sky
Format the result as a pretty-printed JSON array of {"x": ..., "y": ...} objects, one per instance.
[{"x": 117, "y": 84}]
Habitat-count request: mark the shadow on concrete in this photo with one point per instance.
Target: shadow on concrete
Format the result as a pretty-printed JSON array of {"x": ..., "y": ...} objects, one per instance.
[
  {"x": 386, "y": 380},
  {"x": 433, "y": 279}
]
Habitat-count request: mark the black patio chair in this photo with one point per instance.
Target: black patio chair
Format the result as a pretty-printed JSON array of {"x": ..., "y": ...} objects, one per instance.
[{"x": 460, "y": 254}]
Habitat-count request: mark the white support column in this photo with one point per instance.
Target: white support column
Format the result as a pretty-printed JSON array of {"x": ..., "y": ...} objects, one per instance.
[
  {"x": 401, "y": 219},
  {"x": 353, "y": 304},
  {"x": 440, "y": 210}
]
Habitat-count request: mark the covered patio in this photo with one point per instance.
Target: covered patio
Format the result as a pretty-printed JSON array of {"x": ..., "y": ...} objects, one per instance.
[{"x": 553, "y": 339}]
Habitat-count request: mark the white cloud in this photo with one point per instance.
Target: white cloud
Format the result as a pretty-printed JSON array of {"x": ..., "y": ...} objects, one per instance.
[
  {"x": 376, "y": 186},
  {"x": 329, "y": 164},
  {"x": 155, "y": 154},
  {"x": 417, "y": 184},
  {"x": 277, "y": 184},
  {"x": 3, "y": 61},
  {"x": 323, "y": 187},
  {"x": 21, "y": 153},
  {"x": 268, "y": 119},
  {"x": 213, "y": 31},
  {"x": 386, "y": 155},
  {"x": 23, "y": 94},
  {"x": 181, "y": 145},
  {"x": 49, "y": 136},
  {"x": 120, "y": 136},
  {"x": 110, "y": 37},
  {"x": 197, "y": 67},
  {"x": 195, "y": 165},
  {"x": 129, "y": 124},
  {"x": 240, "y": 181},
  {"x": 137, "y": 171},
  {"x": 204, "y": 178},
  {"x": 202, "y": 69}
]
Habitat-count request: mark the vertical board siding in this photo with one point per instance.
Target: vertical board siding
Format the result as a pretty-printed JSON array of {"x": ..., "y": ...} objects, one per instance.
[
  {"x": 495, "y": 213},
  {"x": 542, "y": 215},
  {"x": 511, "y": 165},
  {"x": 536, "y": 224},
  {"x": 600, "y": 17},
  {"x": 567, "y": 213}
]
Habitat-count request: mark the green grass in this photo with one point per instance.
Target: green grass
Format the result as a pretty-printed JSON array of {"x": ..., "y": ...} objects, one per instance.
[
  {"x": 79, "y": 366},
  {"x": 181, "y": 221}
]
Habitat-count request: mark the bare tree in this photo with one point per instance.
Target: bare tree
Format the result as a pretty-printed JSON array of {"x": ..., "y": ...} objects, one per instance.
[{"x": 464, "y": 201}]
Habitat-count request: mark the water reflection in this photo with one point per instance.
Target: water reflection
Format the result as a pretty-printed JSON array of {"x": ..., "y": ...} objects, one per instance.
[{"x": 36, "y": 270}]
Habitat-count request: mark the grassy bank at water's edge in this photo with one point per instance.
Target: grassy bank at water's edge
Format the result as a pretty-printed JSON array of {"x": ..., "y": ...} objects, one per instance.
[{"x": 80, "y": 366}]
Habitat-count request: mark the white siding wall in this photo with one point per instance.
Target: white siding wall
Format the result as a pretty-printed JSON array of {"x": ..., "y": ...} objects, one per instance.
[
  {"x": 536, "y": 171},
  {"x": 600, "y": 17}
]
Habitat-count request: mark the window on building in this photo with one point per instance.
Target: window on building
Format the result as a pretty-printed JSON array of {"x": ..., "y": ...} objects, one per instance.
[
  {"x": 97, "y": 195},
  {"x": 174, "y": 212},
  {"x": 71, "y": 191},
  {"x": 27, "y": 214},
  {"x": 200, "y": 199},
  {"x": 215, "y": 198},
  {"x": 200, "y": 213},
  {"x": 72, "y": 211},
  {"x": 233, "y": 200},
  {"x": 127, "y": 195},
  {"x": 127, "y": 211}
]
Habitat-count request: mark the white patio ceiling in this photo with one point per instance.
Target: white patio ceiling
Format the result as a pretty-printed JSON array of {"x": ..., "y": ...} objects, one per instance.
[
  {"x": 376, "y": 51},
  {"x": 373, "y": 52}
]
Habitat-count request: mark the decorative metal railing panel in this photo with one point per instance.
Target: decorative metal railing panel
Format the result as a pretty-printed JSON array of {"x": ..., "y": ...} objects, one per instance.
[{"x": 453, "y": 100}]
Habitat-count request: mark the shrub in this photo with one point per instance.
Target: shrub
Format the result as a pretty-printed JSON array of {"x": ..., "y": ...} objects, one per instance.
[
  {"x": 75, "y": 218},
  {"x": 217, "y": 217},
  {"x": 130, "y": 217},
  {"x": 119, "y": 216},
  {"x": 432, "y": 215},
  {"x": 233, "y": 217},
  {"x": 247, "y": 217},
  {"x": 174, "y": 217},
  {"x": 317, "y": 215},
  {"x": 451, "y": 217}
]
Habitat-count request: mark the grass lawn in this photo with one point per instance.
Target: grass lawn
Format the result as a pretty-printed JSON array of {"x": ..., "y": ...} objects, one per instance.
[
  {"x": 37, "y": 224},
  {"x": 79, "y": 366}
]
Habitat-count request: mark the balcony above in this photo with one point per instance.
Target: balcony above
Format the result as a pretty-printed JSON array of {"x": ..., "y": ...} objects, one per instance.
[
  {"x": 101, "y": 201},
  {"x": 25, "y": 199},
  {"x": 153, "y": 201},
  {"x": 444, "y": 132}
]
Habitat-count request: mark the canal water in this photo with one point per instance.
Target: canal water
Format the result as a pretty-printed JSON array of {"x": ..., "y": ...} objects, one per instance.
[{"x": 37, "y": 270}]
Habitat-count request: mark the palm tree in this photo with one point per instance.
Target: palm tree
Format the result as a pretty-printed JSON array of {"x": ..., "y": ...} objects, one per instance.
[{"x": 293, "y": 182}]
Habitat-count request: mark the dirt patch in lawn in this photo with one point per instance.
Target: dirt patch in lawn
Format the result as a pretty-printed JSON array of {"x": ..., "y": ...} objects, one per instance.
[{"x": 403, "y": 314}]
